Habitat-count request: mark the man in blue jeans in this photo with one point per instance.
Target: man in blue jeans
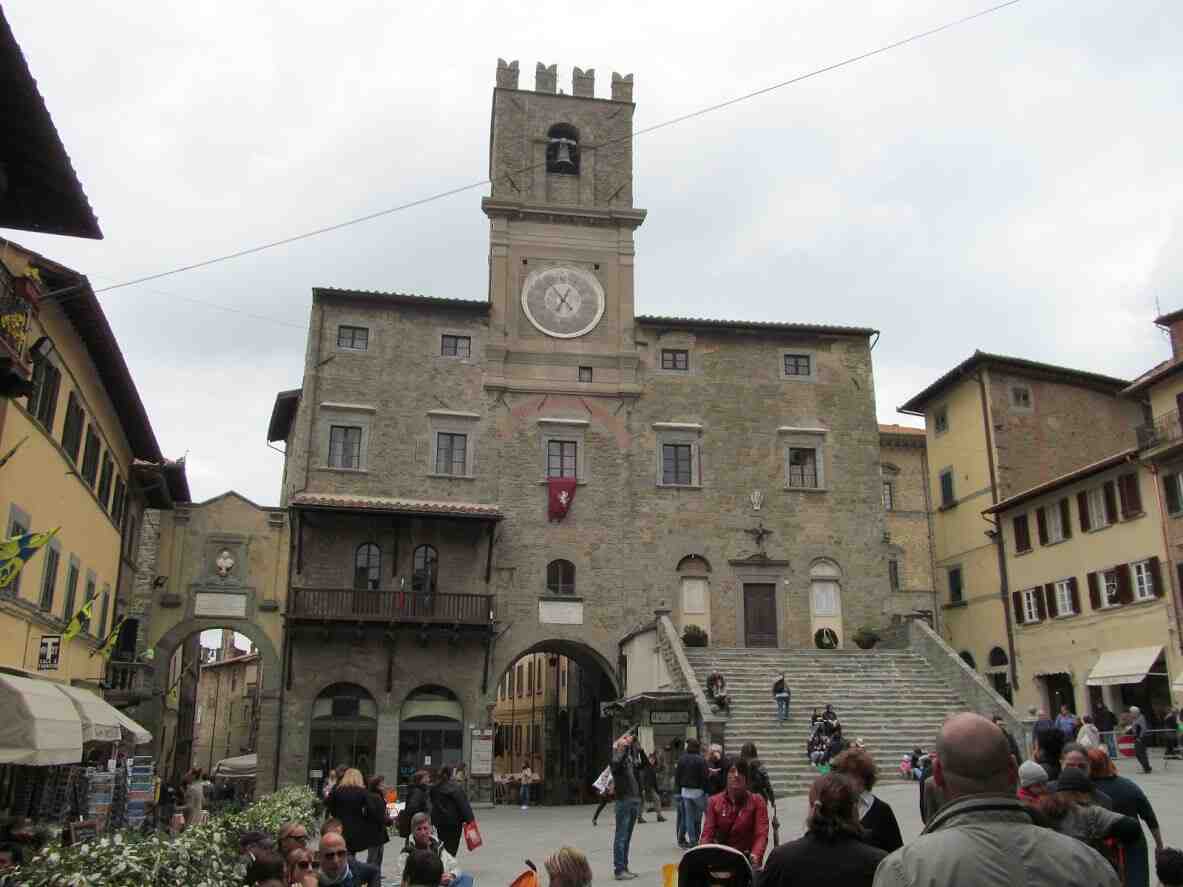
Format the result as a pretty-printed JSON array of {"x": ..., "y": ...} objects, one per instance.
[
  {"x": 690, "y": 782},
  {"x": 628, "y": 803},
  {"x": 782, "y": 694}
]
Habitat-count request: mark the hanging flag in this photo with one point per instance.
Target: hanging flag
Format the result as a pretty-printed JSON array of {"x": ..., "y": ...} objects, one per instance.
[
  {"x": 8, "y": 455},
  {"x": 16, "y": 552},
  {"x": 75, "y": 626},
  {"x": 560, "y": 495},
  {"x": 108, "y": 644}
]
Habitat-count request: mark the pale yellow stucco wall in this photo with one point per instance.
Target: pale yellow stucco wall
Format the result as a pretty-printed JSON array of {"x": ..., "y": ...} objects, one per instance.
[{"x": 1162, "y": 395}]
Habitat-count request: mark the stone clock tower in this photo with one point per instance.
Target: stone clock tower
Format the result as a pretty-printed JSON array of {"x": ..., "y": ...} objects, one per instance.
[{"x": 561, "y": 237}]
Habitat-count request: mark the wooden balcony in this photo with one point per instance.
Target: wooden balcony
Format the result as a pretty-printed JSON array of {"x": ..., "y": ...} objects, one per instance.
[
  {"x": 128, "y": 683},
  {"x": 388, "y": 605}
]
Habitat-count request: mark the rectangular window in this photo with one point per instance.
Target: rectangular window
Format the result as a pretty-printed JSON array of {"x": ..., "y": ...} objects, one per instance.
[
  {"x": 940, "y": 420},
  {"x": 888, "y": 496},
  {"x": 803, "y": 467},
  {"x": 585, "y": 374},
  {"x": 562, "y": 458},
  {"x": 118, "y": 500},
  {"x": 43, "y": 402},
  {"x": 1055, "y": 526},
  {"x": 1110, "y": 591},
  {"x": 1143, "y": 581},
  {"x": 344, "y": 446},
  {"x": 104, "y": 609},
  {"x": 1020, "y": 397},
  {"x": 1130, "y": 495},
  {"x": 893, "y": 574},
  {"x": 15, "y": 528},
  {"x": 72, "y": 428},
  {"x": 71, "y": 590},
  {"x": 1065, "y": 606},
  {"x": 677, "y": 359},
  {"x": 355, "y": 338},
  {"x": 450, "y": 453},
  {"x": 90, "y": 596},
  {"x": 1098, "y": 518},
  {"x": 1022, "y": 533},
  {"x": 676, "y": 464},
  {"x": 455, "y": 346},
  {"x": 49, "y": 577},
  {"x": 797, "y": 365},
  {"x": 948, "y": 498},
  {"x": 131, "y": 537},
  {"x": 90, "y": 457},
  {"x": 105, "y": 480},
  {"x": 956, "y": 592},
  {"x": 1032, "y": 612},
  {"x": 1173, "y": 488}
]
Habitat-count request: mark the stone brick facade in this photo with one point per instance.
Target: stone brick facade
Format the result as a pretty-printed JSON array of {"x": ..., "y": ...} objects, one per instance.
[{"x": 908, "y": 519}]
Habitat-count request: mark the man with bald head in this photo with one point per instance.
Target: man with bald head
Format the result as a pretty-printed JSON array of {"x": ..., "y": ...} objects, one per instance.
[{"x": 984, "y": 836}]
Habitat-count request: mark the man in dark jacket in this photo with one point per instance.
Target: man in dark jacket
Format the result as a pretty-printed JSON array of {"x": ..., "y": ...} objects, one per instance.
[
  {"x": 1106, "y": 722},
  {"x": 690, "y": 784},
  {"x": 628, "y": 803},
  {"x": 782, "y": 694},
  {"x": 1010, "y": 740},
  {"x": 450, "y": 810}
]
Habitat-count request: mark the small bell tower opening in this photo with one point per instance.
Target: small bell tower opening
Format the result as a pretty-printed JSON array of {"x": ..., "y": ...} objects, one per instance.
[{"x": 562, "y": 149}]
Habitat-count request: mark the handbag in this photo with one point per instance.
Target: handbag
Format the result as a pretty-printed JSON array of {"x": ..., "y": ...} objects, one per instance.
[{"x": 472, "y": 835}]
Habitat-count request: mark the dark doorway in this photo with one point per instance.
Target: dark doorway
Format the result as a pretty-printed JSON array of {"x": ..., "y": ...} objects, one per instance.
[
  {"x": 1059, "y": 692},
  {"x": 759, "y": 615}
]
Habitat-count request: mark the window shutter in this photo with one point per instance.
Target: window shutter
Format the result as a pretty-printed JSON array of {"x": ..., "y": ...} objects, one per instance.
[
  {"x": 1040, "y": 609},
  {"x": 1156, "y": 577},
  {"x": 1041, "y": 524},
  {"x": 1049, "y": 595},
  {"x": 1170, "y": 484},
  {"x": 1125, "y": 584},
  {"x": 1082, "y": 506},
  {"x": 1066, "y": 518},
  {"x": 1094, "y": 582},
  {"x": 1022, "y": 533},
  {"x": 1131, "y": 495},
  {"x": 1110, "y": 502},
  {"x": 1074, "y": 593},
  {"x": 1016, "y": 599}
]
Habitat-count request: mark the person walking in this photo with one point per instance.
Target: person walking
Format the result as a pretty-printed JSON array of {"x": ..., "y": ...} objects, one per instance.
[
  {"x": 984, "y": 835},
  {"x": 607, "y": 796},
  {"x": 525, "y": 778},
  {"x": 875, "y": 814},
  {"x": 761, "y": 785},
  {"x": 418, "y": 801},
  {"x": 1129, "y": 800},
  {"x": 647, "y": 780},
  {"x": 194, "y": 800},
  {"x": 377, "y": 821},
  {"x": 737, "y": 817},
  {"x": 690, "y": 780},
  {"x": 716, "y": 770},
  {"x": 832, "y": 852},
  {"x": 350, "y": 802},
  {"x": 450, "y": 810},
  {"x": 1088, "y": 735},
  {"x": 782, "y": 694},
  {"x": 1140, "y": 728},
  {"x": 1066, "y": 723},
  {"x": 1070, "y": 810},
  {"x": 628, "y": 804},
  {"x": 1106, "y": 722}
]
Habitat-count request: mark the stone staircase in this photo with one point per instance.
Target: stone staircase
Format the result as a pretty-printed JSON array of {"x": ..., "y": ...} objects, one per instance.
[{"x": 892, "y": 699}]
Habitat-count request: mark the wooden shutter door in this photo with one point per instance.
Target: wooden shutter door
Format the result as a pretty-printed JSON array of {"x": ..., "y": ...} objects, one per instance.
[
  {"x": 1110, "y": 502},
  {"x": 1094, "y": 583},
  {"x": 1156, "y": 577},
  {"x": 1066, "y": 518},
  {"x": 1040, "y": 609},
  {"x": 1041, "y": 524},
  {"x": 1016, "y": 599},
  {"x": 1170, "y": 486},
  {"x": 1125, "y": 584},
  {"x": 1074, "y": 592},
  {"x": 1049, "y": 595},
  {"x": 1082, "y": 506}
]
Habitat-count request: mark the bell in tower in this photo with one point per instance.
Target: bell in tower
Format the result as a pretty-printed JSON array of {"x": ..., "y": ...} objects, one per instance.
[{"x": 562, "y": 149}]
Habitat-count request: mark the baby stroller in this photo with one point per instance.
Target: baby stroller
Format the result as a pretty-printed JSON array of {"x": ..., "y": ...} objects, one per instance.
[{"x": 715, "y": 865}]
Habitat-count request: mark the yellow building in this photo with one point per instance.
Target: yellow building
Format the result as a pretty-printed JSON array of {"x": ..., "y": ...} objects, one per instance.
[
  {"x": 997, "y": 426},
  {"x": 84, "y": 461},
  {"x": 1091, "y": 602},
  {"x": 227, "y": 716}
]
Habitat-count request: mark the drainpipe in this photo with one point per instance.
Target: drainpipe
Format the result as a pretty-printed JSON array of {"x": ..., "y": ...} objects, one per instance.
[{"x": 996, "y": 534}]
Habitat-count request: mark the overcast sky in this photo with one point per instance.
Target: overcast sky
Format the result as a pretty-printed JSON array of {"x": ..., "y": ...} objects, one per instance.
[{"x": 1013, "y": 185}]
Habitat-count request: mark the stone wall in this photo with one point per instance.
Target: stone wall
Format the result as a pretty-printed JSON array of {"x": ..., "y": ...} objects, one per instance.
[
  {"x": 680, "y": 671},
  {"x": 905, "y": 467}
]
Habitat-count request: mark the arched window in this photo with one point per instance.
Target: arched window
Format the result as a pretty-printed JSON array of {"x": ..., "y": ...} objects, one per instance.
[
  {"x": 367, "y": 566},
  {"x": 999, "y": 673},
  {"x": 426, "y": 572},
  {"x": 562, "y": 149},
  {"x": 344, "y": 730},
  {"x": 968, "y": 658},
  {"x": 998, "y": 658},
  {"x": 560, "y": 577}
]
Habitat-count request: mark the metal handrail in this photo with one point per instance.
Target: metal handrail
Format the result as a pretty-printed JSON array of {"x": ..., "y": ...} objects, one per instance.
[{"x": 1164, "y": 429}]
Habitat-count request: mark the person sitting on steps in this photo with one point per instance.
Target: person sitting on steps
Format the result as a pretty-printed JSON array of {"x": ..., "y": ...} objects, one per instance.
[{"x": 717, "y": 690}]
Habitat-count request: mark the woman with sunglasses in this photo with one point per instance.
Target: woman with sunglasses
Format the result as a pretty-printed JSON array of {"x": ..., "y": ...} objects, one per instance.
[{"x": 301, "y": 868}]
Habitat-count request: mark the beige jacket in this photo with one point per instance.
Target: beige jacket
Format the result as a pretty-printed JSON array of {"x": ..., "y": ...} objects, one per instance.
[{"x": 991, "y": 841}]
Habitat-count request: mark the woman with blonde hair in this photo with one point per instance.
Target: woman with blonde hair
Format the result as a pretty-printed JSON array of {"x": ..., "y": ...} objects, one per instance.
[
  {"x": 349, "y": 802},
  {"x": 568, "y": 867}
]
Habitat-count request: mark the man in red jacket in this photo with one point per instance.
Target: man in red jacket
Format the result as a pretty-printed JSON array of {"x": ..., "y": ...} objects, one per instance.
[{"x": 737, "y": 817}]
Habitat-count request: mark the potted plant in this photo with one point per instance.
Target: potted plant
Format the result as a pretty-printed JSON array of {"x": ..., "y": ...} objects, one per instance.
[
  {"x": 694, "y": 636},
  {"x": 867, "y": 637}
]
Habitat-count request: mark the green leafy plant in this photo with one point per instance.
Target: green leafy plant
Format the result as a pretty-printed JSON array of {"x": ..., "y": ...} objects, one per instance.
[
  {"x": 202, "y": 856},
  {"x": 867, "y": 636},
  {"x": 694, "y": 636}
]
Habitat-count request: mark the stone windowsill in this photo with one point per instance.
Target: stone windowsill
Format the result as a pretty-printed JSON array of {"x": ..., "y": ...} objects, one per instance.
[
  {"x": 662, "y": 486},
  {"x": 789, "y": 489},
  {"x": 564, "y": 598},
  {"x": 337, "y": 470},
  {"x": 953, "y": 605},
  {"x": 452, "y": 476}
]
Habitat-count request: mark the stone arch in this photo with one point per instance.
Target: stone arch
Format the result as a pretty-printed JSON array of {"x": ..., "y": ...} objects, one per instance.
[
  {"x": 824, "y": 568},
  {"x": 826, "y": 610},
  {"x": 694, "y": 563},
  {"x": 581, "y": 652},
  {"x": 431, "y": 720}
]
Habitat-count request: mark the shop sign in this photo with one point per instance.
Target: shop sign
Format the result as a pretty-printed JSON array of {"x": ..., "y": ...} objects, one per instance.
[
  {"x": 669, "y": 717},
  {"x": 482, "y": 753},
  {"x": 51, "y": 652}
]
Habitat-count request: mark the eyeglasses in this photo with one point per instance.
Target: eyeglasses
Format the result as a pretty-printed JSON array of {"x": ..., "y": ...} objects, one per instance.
[
  {"x": 332, "y": 854},
  {"x": 303, "y": 838},
  {"x": 305, "y": 864}
]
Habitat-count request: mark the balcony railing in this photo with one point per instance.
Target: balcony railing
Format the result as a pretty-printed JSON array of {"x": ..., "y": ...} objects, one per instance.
[
  {"x": 391, "y": 606},
  {"x": 1164, "y": 429},
  {"x": 129, "y": 681}
]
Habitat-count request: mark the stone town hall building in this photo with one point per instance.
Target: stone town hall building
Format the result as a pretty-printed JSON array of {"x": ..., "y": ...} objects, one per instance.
[{"x": 727, "y": 470}]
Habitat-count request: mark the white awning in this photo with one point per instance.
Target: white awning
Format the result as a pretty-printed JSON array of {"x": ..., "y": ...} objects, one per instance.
[
  {"x": 40, "y": 726},
  {"x": 139, "y": 735},
  {"x": 241, "y": 767},
  {"x": 1123, "y": 666},
  {"x": 100, "y": 722}
]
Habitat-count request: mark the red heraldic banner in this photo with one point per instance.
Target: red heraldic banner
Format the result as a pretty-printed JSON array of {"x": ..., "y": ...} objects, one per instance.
[{"x": 560, "y": 495}]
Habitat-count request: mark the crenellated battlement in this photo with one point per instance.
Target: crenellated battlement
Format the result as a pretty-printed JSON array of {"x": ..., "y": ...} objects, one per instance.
[{"x": 546, "y": 80}]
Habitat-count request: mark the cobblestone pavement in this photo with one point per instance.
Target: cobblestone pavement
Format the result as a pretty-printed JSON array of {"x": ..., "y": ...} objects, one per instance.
[{"x": 512, "y": 835}]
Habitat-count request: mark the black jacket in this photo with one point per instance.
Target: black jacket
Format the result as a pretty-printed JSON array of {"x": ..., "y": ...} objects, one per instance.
[
  {"x": 691, "y": 771},
  {"x": 883, "y": 831},
  {"x": 364, "y": 826},
  {"x": 717, "y": 776},
  {"x": 449, "y": 805},
  {"x": 781, "y": 687},
  {"x": 418, "y": 801},
  {"x": 810, "y": 861}
]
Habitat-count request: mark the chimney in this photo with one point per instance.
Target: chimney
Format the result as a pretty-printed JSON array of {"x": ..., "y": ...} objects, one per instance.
[{"x": 583, "y": 83}]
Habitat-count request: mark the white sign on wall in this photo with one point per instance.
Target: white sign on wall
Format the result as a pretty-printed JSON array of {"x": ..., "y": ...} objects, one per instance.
[
  {"x": 560, "y": 612},
  {"x": 212, "y": 603},
  {"x": 482, "y": 753}
]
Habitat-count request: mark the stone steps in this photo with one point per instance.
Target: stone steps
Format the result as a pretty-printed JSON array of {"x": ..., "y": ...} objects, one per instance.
[{"x": 891, "y": 699}]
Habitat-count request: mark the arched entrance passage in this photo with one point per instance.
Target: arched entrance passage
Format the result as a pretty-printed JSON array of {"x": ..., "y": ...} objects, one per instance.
[
  {"x": 344, "y": 732},
  {"x": 548, "y": 714},
  {"x": 430, "y": 731}
]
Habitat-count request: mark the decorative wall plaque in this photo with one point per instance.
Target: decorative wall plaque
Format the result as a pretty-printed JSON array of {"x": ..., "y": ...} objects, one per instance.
[
  {"x": 560, "y": 612},
  {"x": 212, "y": 603}
]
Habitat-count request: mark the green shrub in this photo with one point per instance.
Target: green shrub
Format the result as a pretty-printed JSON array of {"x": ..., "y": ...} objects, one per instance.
[{"x": 202, "y": 856}]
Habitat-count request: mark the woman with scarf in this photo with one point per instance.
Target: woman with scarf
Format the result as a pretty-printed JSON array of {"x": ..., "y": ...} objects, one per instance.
[{"x": 738, "y": 817}]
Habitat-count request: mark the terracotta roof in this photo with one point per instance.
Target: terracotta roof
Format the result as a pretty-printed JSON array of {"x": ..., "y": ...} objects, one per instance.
[
  {"x": 1064, "y": 479},
  {"x": 282, "y": 414},
  {"x": 900, "y": 429},
  {"x": 391, "y": 505},
  {"x": 764, "y": 325},
  {"x": 1153, "y": 375},
  {"x": 329, "y": 292},
  {"x": 43, "y": 192},
  {"x": 163, "y": 483},
  {"x": 915, "y": 405}
]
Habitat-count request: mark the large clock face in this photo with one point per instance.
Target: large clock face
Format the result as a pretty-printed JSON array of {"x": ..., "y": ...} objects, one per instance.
[{"x": 563, "y": 302}]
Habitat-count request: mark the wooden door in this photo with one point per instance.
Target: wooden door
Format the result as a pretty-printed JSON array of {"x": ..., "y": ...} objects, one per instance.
[{"x": 759, "y": 615}]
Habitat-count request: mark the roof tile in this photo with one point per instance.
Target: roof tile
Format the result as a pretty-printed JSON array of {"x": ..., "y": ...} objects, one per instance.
[{"x": 349, "y": 502}]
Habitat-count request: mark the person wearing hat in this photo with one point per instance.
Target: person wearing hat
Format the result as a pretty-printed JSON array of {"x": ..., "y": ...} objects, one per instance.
[
  {"x": 1032, "y": 783},
  {"x": 1070, "y": 810}
]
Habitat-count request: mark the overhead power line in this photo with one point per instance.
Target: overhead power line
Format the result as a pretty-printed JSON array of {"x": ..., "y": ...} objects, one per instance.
[{"x": 451, "y": 192}]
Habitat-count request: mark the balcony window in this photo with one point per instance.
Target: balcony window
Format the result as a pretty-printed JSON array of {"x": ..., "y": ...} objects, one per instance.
[
  {"x": 367, "y": 566},
  {"x": 560, "y": 577},
  {"x": 426, "y": 569},
  {"x": 344, "y": 446}
]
